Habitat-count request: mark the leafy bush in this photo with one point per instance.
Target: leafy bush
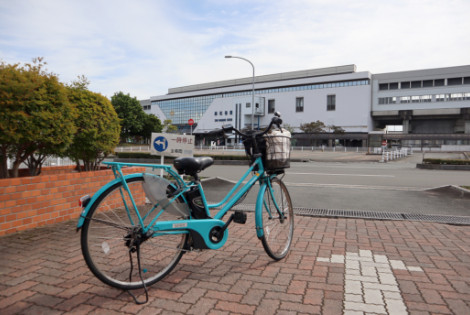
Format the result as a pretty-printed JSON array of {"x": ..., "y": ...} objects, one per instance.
[
  {"x": 446, "y": 162},
  {"x": 141, "y": 155}
]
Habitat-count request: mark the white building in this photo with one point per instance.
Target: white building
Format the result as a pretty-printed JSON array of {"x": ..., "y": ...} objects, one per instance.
[
  {"x": 432, "y": 101},
  {"x": 337, "y": 96}
]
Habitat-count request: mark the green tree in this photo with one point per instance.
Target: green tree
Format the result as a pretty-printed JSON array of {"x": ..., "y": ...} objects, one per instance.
[
  {"x": 152, "y": 124},
  {"x": 35, "y": 114},
  {"x": 312, "y": 129},
  {"x": 97, "y": 125},
  {"x": 168, "y": 127},
  {"x": 130, "y": 113},
  {"x": 336, "y": 131}
]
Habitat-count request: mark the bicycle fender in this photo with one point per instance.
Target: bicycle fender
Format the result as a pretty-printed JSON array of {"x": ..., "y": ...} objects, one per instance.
[
  {"x": 95, "y": 197},
  {"x": 259, "y": 211}
]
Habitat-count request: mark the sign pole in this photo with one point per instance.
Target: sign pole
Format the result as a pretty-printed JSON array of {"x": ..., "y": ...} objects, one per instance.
[{"x": 162, "y": 159}]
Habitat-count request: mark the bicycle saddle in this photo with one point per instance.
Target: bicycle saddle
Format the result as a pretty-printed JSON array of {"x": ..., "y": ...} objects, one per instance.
[{"x": 192, "y": 165}]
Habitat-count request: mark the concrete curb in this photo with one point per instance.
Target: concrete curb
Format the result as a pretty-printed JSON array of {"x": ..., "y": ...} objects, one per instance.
[
  {"x": 461, "y": 189},
  {"x": 443, "y": 167},
  {"x": 208, "y": 180}
]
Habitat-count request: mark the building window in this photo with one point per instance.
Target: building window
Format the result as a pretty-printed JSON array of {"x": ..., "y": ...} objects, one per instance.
[
  {"x": 454, "y": 81},
  {"x": 466, "y": 80},
  {"x": 331, "y": 102},
  {"x": 226, "y": 113},
  {"x": 392, "y": 100},
  {"x": 220, "y": 113},
  {"x": 216, "y": 120},
  {"x": 248, "y": 105},
  {"x": 271, "y": 106},
  {"x": 394, "y": 86},
  {"x": 299, "y": 104},
  {"x": 215, "y": 113},
  {"x": 439, "y": 82},
  {"x": 405, "y": 85},
  {"x": 405, "y": 99},
  {"x": 415, "y": 99},
  {"x": 440, "y": 98},
  {"x": 416, "y": 84},
  {"x": 467, "y": 97},
  {"x": 229, "y": 119},
  {"x": 231, "y": 112},
  {"x": 428, "y": 83},
  {"x": 426, "y": 98},
  {"x": 455, "y": 97},
  {"x": 383, "y": 86}
]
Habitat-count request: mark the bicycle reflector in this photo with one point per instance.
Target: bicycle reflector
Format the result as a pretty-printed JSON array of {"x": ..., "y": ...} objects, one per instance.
[{"x": 82, "y": 202}]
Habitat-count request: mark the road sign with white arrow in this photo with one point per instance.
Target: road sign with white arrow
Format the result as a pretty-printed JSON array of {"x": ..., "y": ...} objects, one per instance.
[{"x": 168, "y": 144}]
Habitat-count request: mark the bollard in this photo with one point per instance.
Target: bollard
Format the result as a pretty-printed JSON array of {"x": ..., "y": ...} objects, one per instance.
[{"x": 334, "y": 149}]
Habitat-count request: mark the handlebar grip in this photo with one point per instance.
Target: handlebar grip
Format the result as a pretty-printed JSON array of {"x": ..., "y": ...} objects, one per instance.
[{"x": 277, "y": 121}]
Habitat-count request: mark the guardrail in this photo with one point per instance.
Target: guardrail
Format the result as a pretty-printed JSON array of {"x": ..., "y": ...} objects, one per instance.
[
  {"x": 393, "y": 155},
  {"x": 145, "y": 148}
]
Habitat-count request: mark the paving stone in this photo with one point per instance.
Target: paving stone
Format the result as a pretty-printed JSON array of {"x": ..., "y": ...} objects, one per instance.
[{"x": 336, "y": 266}]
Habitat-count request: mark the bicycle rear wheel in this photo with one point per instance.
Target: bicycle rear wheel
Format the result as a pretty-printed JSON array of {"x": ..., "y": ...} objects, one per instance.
[
  {"x": 278, "y": 229},
  {"x": 107, "y": 235}
]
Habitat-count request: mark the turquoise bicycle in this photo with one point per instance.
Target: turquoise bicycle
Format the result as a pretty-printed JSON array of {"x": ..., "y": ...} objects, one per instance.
[{"x": 135, "y": 229}]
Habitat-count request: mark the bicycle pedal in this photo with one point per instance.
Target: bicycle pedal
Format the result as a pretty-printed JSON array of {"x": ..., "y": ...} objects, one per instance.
[{"x": 239, "y": 217}]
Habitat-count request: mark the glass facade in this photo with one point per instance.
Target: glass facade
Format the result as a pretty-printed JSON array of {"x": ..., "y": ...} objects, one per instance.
[{"x": 180, "y": 110}]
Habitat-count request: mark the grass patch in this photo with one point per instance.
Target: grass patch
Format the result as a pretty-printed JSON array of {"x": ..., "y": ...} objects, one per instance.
[
  {"x": 446, "y": 162},
  {"x": 466, "y": 187}
]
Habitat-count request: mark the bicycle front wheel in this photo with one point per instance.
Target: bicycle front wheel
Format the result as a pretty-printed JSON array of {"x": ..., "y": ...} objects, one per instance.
[
  {"x": 278, "y": 227},
  {"x": 111, "y": 226}
]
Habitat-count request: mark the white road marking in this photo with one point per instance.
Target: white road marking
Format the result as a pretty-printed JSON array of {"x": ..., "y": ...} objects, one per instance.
[
  {"x": 370, "y": 286},
  {"x": 340, "y": 174},
  {"x": 355, "y": 186}
]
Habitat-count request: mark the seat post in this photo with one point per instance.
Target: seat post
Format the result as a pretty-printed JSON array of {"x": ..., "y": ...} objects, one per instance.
[{"x": 195, "y": 176}]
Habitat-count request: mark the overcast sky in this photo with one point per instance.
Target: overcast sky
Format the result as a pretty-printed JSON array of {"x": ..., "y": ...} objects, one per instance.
[{"x": 145, "y": 47}]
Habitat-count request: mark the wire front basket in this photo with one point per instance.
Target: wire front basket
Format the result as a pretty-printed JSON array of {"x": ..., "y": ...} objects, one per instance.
[{"x": 275, "y": 151}]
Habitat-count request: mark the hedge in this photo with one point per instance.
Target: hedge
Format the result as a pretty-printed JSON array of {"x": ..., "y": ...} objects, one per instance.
[
  {"x": 446, "y": 162},
  {"x": 142, "y": 155}
]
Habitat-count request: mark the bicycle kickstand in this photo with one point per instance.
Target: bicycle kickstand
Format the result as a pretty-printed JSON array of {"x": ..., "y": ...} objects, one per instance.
[{"x": 140, "y": 274}]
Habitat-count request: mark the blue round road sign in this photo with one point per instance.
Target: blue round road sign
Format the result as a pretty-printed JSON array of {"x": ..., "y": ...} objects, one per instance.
[{"x": 160, "y": 144}]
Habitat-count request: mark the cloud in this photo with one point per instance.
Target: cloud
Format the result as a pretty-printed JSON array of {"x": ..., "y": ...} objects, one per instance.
[{"x": 145, "y": 47}]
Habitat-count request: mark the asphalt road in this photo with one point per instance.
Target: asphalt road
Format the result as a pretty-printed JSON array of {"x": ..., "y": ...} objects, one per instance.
[{"x": 392, "y": 187}]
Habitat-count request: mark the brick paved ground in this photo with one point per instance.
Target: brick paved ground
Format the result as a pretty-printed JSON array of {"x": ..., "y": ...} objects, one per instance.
[{"x": 336, "y": 266}]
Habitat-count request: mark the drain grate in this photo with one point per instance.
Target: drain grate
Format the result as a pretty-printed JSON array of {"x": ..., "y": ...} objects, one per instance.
[
  {"x": 450, "y": 219},
  {"x": 376, "y": 215}
]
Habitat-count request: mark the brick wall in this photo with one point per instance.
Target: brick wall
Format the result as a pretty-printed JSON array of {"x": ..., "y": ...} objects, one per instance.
[{"x": 28, "y": 202}]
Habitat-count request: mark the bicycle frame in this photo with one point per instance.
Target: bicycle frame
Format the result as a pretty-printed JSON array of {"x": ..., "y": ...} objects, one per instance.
[{"x": 199, "y": 229}]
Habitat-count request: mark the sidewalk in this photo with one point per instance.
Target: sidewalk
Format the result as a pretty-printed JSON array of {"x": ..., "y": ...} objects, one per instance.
[{"x": 336, "y": 266}]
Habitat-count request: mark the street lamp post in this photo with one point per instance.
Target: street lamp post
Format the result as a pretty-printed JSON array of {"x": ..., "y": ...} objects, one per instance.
[{"x": 253, "y": 92}]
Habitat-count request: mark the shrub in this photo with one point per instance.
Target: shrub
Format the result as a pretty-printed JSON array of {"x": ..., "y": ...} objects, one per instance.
[
  {"x": 446, "y": 162},
  {"x": 141, "y": 155}
]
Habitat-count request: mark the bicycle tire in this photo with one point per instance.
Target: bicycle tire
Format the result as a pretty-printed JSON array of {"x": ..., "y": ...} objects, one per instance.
[
  {"x": 278, "y": 233},
  {"x": 109, "y": 259}
]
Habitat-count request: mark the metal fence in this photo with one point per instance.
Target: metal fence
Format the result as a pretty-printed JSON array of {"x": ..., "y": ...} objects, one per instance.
[
  {"x": 57, "y": 161},
  {"x": 50, "y": 161},
  {"x": 145, "y": 148}
]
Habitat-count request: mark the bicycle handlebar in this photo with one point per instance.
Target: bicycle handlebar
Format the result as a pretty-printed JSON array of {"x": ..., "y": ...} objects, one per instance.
[{"x": 276, "y": 120}]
